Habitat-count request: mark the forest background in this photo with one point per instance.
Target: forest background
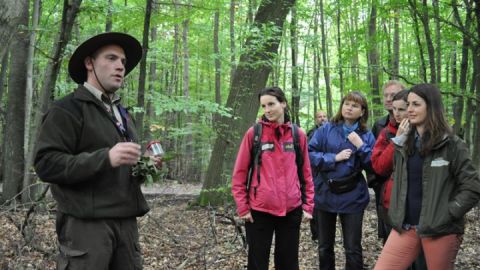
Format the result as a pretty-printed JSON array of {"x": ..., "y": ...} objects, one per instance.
[
  {"x": 204, "y": 62},
  {"x": 196, "y": 89}
]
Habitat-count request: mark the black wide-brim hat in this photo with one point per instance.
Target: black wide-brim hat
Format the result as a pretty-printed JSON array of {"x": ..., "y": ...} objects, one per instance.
[{"x": 130, "y": 45}]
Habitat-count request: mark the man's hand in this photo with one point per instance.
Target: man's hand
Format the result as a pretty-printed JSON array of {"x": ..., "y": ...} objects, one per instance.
[
  {"x": 124, "y": 153},
  {"x": 158, "y": 161}
]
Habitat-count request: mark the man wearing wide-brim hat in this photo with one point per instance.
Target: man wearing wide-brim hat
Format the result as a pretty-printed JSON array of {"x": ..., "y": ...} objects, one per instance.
[{"x": 86, "y": 150}]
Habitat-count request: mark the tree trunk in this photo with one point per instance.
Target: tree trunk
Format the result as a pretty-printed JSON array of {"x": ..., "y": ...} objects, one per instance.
[
  {"x": 326, "y": 66},
  {"x": 27, "y": 179},
  {"x": 396, "y": 45},
  {"x": 143, "y": 72},
  {"x": 355, "y": 62},
  {"x": 172, "y": 85},
  {"x": 373, "y": 59},
  {"x": 423, "y": 66},
  {"x": 151, "y": 89},
  {"x": 250, "y": 77},
  {"x": 3, "y": 75},
  {"x": 15, "y": 130},
  {"x": 294, "y": 53},
  {"x": 428, "y": 38},
  {"x": 69, "y": 13},
  {"x": 108, "y": 24},
  {"x": 218, "y": 67},
  {"x": 476, "y": 82},
  {"x": 389, "y": 47},
  {"x": 232, "y": 39},
  {"x": 316, "y": 63},
  {"x": 10, "y": 17},
  {"x": 458, "y": 106},
  {"x": 189, "y": 169},
  {"x": 339, "y": 48},
  {"x": 438, "y": 43}
]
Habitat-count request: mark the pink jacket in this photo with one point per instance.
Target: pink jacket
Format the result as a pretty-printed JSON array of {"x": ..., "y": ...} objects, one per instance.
[{"x": 279, "y": 189}]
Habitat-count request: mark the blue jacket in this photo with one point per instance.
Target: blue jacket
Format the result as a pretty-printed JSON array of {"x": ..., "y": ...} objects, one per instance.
[{"x": 323, "y": 147}]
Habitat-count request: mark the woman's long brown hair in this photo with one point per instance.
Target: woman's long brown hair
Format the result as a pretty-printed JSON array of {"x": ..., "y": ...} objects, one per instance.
[{"x": 436, "y": 125}]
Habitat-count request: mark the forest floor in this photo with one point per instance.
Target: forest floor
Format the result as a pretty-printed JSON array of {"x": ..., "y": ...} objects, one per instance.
[{"x": 176, "y": 234}]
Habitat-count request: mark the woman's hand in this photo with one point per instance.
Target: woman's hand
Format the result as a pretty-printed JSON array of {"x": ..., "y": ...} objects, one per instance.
[
  {"x": 306, "y": 216},
  {"x": 247, "y": 217},
  {"x": 355, "y": 139},
  {"x": 404, "y": 127},
  {"x": 343, "y": 155}
]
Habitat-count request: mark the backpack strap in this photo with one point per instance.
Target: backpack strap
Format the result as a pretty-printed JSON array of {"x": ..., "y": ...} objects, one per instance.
[
  {"x": 255, "y": 155},
  {"x": 299, "y": 160}
]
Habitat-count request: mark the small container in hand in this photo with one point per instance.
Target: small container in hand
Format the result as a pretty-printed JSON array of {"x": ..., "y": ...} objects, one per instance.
[{"x": 155, "y": 148}]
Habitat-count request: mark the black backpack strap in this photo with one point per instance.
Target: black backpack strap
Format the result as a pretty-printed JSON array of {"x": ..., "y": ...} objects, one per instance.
[
  {"x": 255, "y": 154},
  {"x": 299, "y": 160}
]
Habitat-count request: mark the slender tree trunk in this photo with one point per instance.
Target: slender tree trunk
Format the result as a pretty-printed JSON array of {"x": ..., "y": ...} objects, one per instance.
[
  {"x": 28, "y": 97},
  {"x": 143, "y": 71},
  {"x": 3, "y": 75},
  {"x": 423, "y": 66},
  {"x": 326, "y": 66},
  {"x": 108, "y": 24},
  {"x": 232, "y": 39},
  {"x": 355, "y": 62},
  {"x": 294, "y": 53},
  {"x": 172, "y": 85},
  {"x": 458, "y": 106},
  {"x": 476, "y": 82},
  {"x": 216, "y": 51},
  {"x": 316, "y": 62},
  {"x": 189, "y": 155},
  {"x": 252, "y": 6},
  {"x": 69, "y": 13},
  {"x": 438, "y": 43},
  {"x": 250, "y": 77},
  {"x": 373, "y": 58},
  {"x": 15, "y": 130},
  {"x": 396, "y": 45},
  {"x": 476, "y": 76},
  {"x": 151, "y": 89},
  {"x": 10, "y": 17},
  {"x": 428, "y": 38},
  {"x": 389, "y": 47},
  {"x": 339, "y": 48}
]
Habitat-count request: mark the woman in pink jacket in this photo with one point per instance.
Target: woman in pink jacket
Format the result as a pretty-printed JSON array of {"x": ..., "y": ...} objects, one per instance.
[{"x": 273, "y": 202}]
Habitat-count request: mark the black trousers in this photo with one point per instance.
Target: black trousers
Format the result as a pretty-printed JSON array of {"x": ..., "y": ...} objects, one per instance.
[
  {"x": 99, "y": 244},
  {"x": 287, "y": 237},
  {"x": 352, "y": 239}
]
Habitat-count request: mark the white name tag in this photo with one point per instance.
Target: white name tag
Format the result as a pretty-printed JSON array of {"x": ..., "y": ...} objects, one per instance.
[
  {"x": 267, "y": 146},
  {"x": 439, "y": 162}
]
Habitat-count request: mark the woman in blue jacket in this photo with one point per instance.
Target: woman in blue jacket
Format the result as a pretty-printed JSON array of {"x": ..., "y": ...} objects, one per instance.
[{"x": 339, "y": 151}]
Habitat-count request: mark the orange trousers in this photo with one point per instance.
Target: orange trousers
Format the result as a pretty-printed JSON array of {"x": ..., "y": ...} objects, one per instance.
[{"x": 400, "y": 251}]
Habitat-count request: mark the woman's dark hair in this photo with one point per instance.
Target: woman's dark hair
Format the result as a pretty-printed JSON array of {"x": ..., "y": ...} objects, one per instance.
[
  {"x": 359, "y": 98},
  {"x": 436, "y": 125},
  {"x": 280, "y": 96},
  {"x": 402, "y": 95}
]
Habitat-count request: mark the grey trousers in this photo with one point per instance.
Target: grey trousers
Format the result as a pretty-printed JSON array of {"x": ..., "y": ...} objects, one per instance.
[{"x": 98, "y": 244}]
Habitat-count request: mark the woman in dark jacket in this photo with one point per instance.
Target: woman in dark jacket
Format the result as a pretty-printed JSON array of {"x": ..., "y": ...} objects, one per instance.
[
  {"x": 339, "y": 151},
  {"x": 435, "y": 185},
  {"x": 273, "y": 202}
]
